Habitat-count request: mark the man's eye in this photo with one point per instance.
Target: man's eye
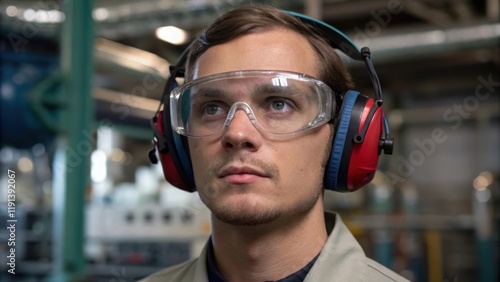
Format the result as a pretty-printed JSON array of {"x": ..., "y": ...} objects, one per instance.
[
  {"x": 278, "y": 105},
  {"x": 212, "y": 109}
]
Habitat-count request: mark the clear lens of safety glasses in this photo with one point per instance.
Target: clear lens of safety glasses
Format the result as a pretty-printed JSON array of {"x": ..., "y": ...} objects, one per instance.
[{"x": 277, "y": 102}]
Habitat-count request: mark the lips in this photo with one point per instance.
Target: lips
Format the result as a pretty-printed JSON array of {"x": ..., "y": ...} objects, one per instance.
[{"x": 241, "y": 175}]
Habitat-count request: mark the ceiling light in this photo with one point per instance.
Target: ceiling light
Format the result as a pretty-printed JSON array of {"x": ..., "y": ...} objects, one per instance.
[
  {"x": 11, "y": 11},
  {"x": 172, "y": 34},
  {"x": 100, "y": 14},
  {"x": 41, "y": 16},
  {"x": 24, "y": 164},
  {"x": 29, "y": 15}
]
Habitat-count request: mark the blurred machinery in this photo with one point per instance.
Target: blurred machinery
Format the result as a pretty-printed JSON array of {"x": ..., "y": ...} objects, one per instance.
[
  {"x": 25, "y": 81},
  {"x": 142, "y": 239},
  {"x": 33, "y": 243}
]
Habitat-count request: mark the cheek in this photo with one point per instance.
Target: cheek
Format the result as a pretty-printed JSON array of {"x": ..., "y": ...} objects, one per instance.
[
  {"x": 306, "y": 160},
  {"x": 309, "y": 161},
  {"x": 200, "y": 156}
]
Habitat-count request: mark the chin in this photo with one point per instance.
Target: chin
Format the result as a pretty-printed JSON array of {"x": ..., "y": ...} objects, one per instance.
[
  {"x": 244, "y": 211},
  {"x": 250, "y": 218}
]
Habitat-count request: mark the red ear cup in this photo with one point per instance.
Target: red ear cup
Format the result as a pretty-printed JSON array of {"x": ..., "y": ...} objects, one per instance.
[
  {"x": 170, "y": 169},
  {"x": 364, "y": 155},
  {"x": 355, "y": 149}
]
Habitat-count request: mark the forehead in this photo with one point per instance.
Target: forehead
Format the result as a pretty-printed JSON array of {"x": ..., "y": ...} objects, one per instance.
[{"x": 276, "y": 49}]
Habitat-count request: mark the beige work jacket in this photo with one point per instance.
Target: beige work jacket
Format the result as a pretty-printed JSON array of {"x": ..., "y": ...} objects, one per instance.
[{"x": 341, "y": 259}]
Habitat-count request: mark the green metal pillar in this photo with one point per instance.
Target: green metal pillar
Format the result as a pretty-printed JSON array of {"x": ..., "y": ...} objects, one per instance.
[{"x": 72, "y": 161}]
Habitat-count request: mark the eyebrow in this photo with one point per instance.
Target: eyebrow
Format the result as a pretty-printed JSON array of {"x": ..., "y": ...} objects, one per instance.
[
  {"x": 289, "y": 90},
  {"x": 210, "y": 93},
  {"x": 266, "y": 88},
  {"x": 258, "y": 90}
]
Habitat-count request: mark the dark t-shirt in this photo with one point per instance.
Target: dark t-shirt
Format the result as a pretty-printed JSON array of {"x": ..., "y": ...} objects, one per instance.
[{"x": 214, "y": 276}]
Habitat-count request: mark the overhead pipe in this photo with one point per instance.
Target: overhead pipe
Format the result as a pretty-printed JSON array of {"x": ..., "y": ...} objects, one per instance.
[
  {"x": 436, "y": 114},
  {"x": 133, "y": 61},
  {"x": 432, "y": 42}
]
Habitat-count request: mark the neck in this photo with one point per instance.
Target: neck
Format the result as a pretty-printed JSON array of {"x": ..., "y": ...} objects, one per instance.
[{"x": 270, "y": 251}]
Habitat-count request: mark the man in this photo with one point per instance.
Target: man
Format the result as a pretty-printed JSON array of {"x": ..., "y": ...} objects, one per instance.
[{"x": 259, "y": 123}]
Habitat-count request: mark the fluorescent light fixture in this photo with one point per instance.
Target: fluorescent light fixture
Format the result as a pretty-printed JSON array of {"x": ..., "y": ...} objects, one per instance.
[
  {"x": 100, "y": 14},
  {"x": 172, "y": 34},
  {"x": 98, "y": 167},
  {"x": 11, "y": 11},
  {"x": 29, "y": 15}
]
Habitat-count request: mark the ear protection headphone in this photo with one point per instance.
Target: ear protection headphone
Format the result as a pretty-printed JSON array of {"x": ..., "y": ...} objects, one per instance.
[{"x": 361, "y": 133}]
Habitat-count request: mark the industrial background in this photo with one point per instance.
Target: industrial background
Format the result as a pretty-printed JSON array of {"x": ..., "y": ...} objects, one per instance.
[{"x": 80, "y": 81}]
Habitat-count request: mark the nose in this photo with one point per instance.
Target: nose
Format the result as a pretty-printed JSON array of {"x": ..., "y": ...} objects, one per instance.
[{"x": 241, "y": 133}]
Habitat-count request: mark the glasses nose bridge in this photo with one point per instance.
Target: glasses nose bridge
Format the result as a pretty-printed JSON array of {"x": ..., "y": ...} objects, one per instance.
[{"x": 244, "y": 107}]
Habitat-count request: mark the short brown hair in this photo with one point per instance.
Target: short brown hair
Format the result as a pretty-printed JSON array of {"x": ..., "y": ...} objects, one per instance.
[{"x": 258, "y": 18}]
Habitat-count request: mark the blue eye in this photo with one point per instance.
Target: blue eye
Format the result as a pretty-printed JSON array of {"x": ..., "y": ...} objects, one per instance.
[
  {"x": 212, "y": 109},
  {"x": 278, "y": 105}
]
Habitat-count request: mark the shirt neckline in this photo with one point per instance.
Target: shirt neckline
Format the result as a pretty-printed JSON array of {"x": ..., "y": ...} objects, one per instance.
[{"x": 215, "y": 276}]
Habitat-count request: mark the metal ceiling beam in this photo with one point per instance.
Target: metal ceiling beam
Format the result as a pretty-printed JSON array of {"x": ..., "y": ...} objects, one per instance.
[
  {"x": 352, "y": 9},
  {"x": 463, "y": 10},
  {"x": 493, "y": 9},
  {"x": 313, "y": 8},
  {"x": 140, "y": 18},
  {"x": 429, "y": 14}
]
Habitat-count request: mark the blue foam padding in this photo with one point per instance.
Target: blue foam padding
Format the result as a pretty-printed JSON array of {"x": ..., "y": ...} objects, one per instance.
[{"x": 332, "y": 169}]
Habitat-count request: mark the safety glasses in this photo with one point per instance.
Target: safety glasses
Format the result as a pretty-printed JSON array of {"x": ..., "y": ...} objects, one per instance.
[{"x": 276, "y": 102}]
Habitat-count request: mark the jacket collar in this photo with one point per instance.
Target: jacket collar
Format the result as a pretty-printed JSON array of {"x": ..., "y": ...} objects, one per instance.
[{"x": 342, "y": 258}]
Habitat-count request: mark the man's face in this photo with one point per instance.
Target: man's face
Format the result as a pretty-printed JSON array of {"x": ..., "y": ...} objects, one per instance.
[{"x": 242, "y": 176}]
